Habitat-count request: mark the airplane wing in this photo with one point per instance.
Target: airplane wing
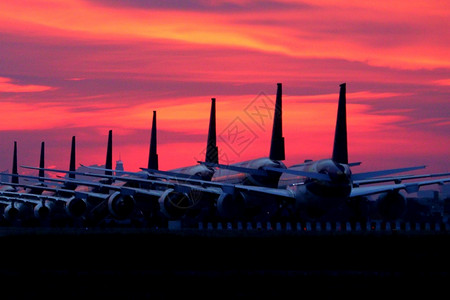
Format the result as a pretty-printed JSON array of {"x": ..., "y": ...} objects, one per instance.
[
  {"x": 169, "y": 173},
  {"x": 408, "y": 187},
  {"x": 396, "y": 179},
  {"x": 189, "y": 184},
  {"x": 263, "y": 171},
  {"x": 79, "y": 194},
  {"x": 367, "y": 175},
  {"x": 88, "y": 183},
  {"x": 284, "y": 193},
  {"x": 33, "y": 198}
]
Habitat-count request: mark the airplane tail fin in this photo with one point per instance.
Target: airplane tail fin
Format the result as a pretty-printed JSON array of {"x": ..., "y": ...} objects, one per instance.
[
  {"x": 72, "y": 158},
  {"x": 42, "y": 162},
  {"x": 108, "y": 164},
  {"x": 212, "y": 152},
  {"x": 15, "y": 179},
  {"x": 340, "y": 149},
  {"x": 153, "y": 156},
  {"x": 277, "y": 144}
]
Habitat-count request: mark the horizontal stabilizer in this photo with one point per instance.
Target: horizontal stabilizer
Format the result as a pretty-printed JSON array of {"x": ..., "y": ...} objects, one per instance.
[
  {"x": 354, "y": 164},
  {"x": 311, "y": 161},
  {"x": 367, "y": 175}
]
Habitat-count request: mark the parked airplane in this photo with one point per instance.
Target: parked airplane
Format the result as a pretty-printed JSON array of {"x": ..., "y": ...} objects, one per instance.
[
  {"x": 337, "y": 186},
  {"x": 258, "y": 172}
]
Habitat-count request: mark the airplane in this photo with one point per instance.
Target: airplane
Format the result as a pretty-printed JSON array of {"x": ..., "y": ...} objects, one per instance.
[
  {"x": 337, "y": 186},
  {"x": 257, "y": 172}
]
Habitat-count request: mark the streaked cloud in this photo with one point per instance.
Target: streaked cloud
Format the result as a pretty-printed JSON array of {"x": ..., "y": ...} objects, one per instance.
[
  {"x": 445, "y": 82},
  {"x": 377, "y": 34},
  {"x": 8, "y": 86}
]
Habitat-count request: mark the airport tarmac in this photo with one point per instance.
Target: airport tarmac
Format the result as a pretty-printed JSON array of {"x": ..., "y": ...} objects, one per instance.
[{"x": 125, "y": 263}]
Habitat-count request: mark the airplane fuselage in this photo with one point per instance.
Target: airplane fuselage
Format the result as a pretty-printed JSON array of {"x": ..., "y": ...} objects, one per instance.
[
  {"x": 234, "y": 177},
  {"x": 201, "y": 171},
  {"x": 317, "y": 197}
]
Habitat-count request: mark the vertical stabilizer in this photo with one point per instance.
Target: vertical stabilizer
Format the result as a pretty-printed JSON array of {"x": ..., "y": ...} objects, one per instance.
[
  {"x": 153, "y": 155},
  {"x": 72, "y": 158},
  {"x": 15, "y": 179},
  {"x": 42, "y": 162},
  {"x": 340, "y": 150},
  {"x": 108, "y": 164},
  {"x": 277, "y": 144},
  {"x": 212, "y": 152}
]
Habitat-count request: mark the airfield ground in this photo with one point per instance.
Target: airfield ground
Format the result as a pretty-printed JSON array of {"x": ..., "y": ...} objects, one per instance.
[{"x": 125, "y": 263}]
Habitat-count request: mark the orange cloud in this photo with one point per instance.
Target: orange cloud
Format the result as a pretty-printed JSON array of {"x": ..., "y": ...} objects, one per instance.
[
  {"x": 6, "y": 86},
  {"x": 379, "y": 34},
  {"x": 444, "y": 82}
]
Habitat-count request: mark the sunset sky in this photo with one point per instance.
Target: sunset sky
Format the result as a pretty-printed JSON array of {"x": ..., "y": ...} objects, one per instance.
[{"x": 83, "y": 67}]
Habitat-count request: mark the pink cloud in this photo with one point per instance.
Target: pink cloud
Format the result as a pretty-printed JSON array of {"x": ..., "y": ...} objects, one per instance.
[{"x": 7, "y": 86}]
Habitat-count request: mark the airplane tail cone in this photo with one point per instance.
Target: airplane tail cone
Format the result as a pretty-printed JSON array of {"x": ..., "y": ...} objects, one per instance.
[
  {"x": 153, "y": 156},
  {"x": 340, "y": 149},
  {"x": 277, "y": 144},
  {"x": 212, "y": 152}
]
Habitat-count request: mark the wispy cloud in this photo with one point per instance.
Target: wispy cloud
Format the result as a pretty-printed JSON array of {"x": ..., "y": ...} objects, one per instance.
[
  {"x": 8, "y": 86},
  {"x": 378, "y": 34}
]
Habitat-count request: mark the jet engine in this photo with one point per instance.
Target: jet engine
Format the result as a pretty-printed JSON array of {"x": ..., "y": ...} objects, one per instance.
[
  {"x": 175, "y": 204},
  {"x": 16, "y": 210},
  {"x": 391, "y": 205},
  {"x": 120, "y": 206},
  {"x": 75, "y": 207},
  {"x": 231, "y": 206},
  {"x": 43, "y": 209}
]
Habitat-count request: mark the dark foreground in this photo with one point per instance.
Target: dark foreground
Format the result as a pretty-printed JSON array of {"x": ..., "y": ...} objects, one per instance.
[{"x": 144, "y": 263}]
